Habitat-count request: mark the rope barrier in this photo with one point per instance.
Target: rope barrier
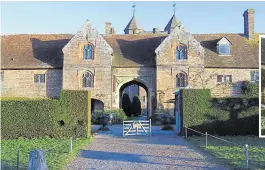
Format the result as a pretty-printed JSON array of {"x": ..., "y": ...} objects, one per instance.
[
  {"x": 196, "y": 131},
  {"x": 215, "y": 137},
  {"x": 225, "y": 140}
]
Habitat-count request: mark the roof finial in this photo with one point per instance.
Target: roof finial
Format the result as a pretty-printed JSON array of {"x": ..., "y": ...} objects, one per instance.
[
  {"x": 133, "y": 8},
  {"x": 174, "y": 8}
]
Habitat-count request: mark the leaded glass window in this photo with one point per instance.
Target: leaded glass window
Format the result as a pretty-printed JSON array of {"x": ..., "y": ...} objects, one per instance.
[
  {"x": 88, "y": 79},
  {"x": 88, "y": 52},
  {"x": 181, "y": 52},
  {"x": 181, "y": 80}
]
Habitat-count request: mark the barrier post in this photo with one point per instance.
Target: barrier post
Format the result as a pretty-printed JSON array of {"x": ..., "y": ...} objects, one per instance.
[
  {"x": 246, "y": 154},
  {"x": 206, "y": 139},
  {"x": 71, "y": 144}
]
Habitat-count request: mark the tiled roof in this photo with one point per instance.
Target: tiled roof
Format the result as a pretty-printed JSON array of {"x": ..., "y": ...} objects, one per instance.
[
  {"x": 134, "y": 50},
  {"x": 33, "y": 51},
  {"x": 244, "y": 53},
  {"x": 45, "y": 51},
  {"x": 262, "y": 50}
]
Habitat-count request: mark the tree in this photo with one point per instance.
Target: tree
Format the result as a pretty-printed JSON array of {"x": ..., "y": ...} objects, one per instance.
[
  {"x": 126, "y": 104},
  {"x": 136, "y": 106}
]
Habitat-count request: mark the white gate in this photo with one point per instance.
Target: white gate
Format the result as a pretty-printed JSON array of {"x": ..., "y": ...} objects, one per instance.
[{"x": 136, "y": 127}]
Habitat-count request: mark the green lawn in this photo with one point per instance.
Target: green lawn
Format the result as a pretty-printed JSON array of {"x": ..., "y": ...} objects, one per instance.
[
  {"x": 235, "y": 155},
  {"x": 57, "y": 153}
]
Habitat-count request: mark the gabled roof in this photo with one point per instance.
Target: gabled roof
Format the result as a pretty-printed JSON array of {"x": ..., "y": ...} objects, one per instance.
[
  {"x": 244, "y": 53},
  {"x": 134, "y": 50},
  {"x": 262, "y": 50},
  {"x": 224, "y": 39},
  {"x": 173, "y": 22},
  {"x": 132, "y": 25},
  {"x": 33, "y": 51}
]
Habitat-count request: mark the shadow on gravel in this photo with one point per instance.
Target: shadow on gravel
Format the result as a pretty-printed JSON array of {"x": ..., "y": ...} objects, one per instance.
[{"x": 139, "y": 158}]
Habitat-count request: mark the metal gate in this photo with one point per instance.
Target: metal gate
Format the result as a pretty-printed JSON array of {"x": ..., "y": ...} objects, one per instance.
[{"x": 136, "y": 127}]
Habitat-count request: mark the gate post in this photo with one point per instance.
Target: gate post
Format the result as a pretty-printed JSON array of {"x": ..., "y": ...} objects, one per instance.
[
  {"x": 149, "y": 104},
  {"x": 150, "y": 128}
]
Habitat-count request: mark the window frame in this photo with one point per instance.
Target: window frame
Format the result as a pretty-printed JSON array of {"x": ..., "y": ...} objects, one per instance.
[
  {"x": 38, "y": 77},
  {"x": 92, "y": 52},
  {"x": 224, "y": 78},
  {"x": 228, "y": 46},
  {"x": 180, "y": 49},
  {"x": 179, "y": 79},
  {"x": 256, "y": 76},
  {"x": 92, "y": 77}
]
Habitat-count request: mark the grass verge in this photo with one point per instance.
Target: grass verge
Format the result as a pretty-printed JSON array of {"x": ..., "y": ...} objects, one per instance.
[
  {"x": 57, "y": 151},
  {"x": 233, "y": 155}
]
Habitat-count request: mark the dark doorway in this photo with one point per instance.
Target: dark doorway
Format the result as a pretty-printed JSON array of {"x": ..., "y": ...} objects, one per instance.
[
  {"x": 133, "y": 88},
  {"x": 96, "y": 105}
]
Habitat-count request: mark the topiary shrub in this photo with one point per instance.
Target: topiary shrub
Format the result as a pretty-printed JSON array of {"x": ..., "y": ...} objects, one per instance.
[
  {"x": 126, "y": 104},
  {"x": 136, "y": 106}
]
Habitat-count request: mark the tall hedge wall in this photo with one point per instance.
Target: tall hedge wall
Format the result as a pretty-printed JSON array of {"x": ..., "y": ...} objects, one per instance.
[
  {"x": 222, "y": 116},
  {"x": 68, "y": 116}
]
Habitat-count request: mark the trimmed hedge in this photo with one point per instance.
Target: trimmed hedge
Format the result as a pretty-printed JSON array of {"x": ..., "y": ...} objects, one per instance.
[
  {"x": 32, "y": 118},
  {"x": 222, "y": 116},
  {"x": 68, "y": 116}
]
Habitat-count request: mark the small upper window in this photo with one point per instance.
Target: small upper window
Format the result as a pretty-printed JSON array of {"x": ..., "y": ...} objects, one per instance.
[
  {"x": 181, "y": 80},
  {"x": 224, "y": 78},
  {"x": 254, "y": 76},
  {"x": 224, "y": 47},
  {"x": 88, "y": 79},
  {"x": 181, "y": 52},
  {"x": 39, "y": 78},
  {"x": 88, "y": 52}
]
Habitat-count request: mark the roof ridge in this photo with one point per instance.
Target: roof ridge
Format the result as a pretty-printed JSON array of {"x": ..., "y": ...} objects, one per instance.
[{"x": 35, "y": 34}]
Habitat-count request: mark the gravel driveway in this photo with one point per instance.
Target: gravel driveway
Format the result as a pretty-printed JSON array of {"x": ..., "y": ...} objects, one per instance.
[{"x": 164, "y": 150}]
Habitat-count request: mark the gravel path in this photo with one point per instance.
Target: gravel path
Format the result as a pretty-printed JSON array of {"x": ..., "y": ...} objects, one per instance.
[{"x": 164, "y": 150}]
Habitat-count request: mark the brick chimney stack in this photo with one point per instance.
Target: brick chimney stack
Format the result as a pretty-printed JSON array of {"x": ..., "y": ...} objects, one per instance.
[{"x": 249, "y": 24}]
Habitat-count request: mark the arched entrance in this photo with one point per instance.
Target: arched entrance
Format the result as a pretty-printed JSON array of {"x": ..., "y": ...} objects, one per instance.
[
  {"x": 96, "y": 105},
  {"x": 136, "y": 87}
]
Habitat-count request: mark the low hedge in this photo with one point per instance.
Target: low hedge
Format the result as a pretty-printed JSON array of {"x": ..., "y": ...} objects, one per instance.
[
  {"x": 222, "y": 116},
  {"x": 68, "y": 116}
]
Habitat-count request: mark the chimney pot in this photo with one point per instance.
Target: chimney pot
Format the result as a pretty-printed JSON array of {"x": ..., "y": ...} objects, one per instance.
[{"x": 155, "y": 30}]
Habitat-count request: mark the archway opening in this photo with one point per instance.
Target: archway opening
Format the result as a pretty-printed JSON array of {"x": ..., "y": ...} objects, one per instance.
[
  {"x": 133, "y": 97},
  {"x": 96, "y": 105}
]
